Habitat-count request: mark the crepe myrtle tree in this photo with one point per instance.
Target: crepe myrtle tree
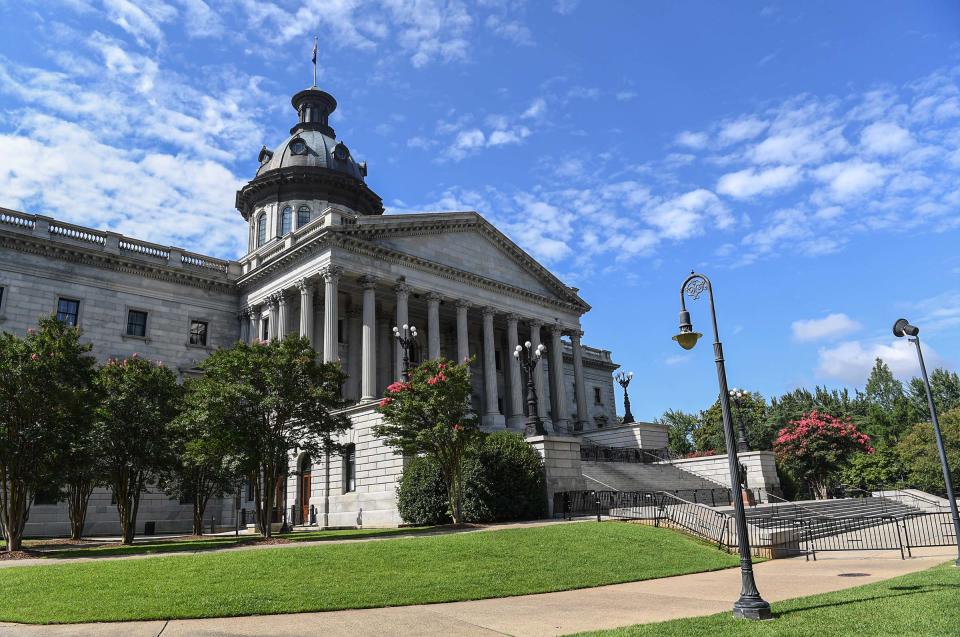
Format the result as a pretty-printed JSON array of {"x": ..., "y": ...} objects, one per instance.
[
  {"x": 267, "y": 399},
  {"x": 45, "y": 381},
  {"x": 140, "y": 399},
  {"x": 817, "y": 447},
  {"x": 431, "y": 415}
]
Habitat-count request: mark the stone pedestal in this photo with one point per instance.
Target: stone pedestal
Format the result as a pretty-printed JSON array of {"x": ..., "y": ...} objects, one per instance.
[{"x": 561, "y": 464}]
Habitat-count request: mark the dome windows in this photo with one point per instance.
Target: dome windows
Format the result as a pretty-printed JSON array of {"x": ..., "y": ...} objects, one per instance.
[
  {"x": 303, "y": 216},
  {"x": 286, "y": 220},
  {"x": 341, "y": 152},
  {"x": 261, "y": 229},
  {"x": 298, "y": 147}
]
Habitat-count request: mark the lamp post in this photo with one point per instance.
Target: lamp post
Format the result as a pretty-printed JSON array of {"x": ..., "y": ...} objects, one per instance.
[
  {"x": 407, "y": 337},
  {"x": 624, "y": 380},
  {"x": 750, "y": 605},
  {"x": 529, "y": 356},
  {"x": 737, "y": 395},
  {"x": 903, "y": 328}
]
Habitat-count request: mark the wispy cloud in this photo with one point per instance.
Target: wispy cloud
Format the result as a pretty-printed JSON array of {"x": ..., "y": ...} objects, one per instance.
[{"x": 830, "y": 326}]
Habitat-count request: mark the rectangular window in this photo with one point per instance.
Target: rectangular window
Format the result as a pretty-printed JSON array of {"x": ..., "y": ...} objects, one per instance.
[
  {"x": 198, "y": 333},
  {"x": 265, "y": 328},
  {"x": 136, "y": 323},
  {"x": 2, "y": 290},
  {"x": 341, "y": 333},
  {"x": 496, "y": 356},
  {"x": 349, "y": 468},
  {"x": 68, "y": 311},
  {"x": 249, "y": 490},
  {"x": 597, "y": 396}
]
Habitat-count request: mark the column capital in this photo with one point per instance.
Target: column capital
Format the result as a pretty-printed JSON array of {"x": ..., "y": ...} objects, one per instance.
[
  {"x": 402, "y": 288},
  {"x": 575, "y": 333},
  {"x": 305, "y": 285},
  {"x": 462, "y": 304},
  {"x": 244, "y": 313},
  {"x": 331, "y": 273},
  {"x": 555, "y": 329},
  {"x": 535, "y": 323},
  {"x": 489, "y": 311},
  {"x": 513, "y": 317},
  {"x": 281, "y": 297},
  {"x": 367, "y": 282},
  {"x": 433, "y": 296}
]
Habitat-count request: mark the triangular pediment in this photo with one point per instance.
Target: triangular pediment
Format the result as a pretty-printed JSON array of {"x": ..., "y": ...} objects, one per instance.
[{"x": 468, "y": 243}]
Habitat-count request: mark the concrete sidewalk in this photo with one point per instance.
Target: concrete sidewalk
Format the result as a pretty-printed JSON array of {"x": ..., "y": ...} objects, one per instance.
[{"x": 544, "y": 614}]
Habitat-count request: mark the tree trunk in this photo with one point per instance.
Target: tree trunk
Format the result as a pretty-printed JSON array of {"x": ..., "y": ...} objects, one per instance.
[
  {"x": 14, "y": 509},
  {"x": 127, "y": 486},
  {"x": 78, "y": 497},
  {"x": 269, "y": 486},
  {"x": 200, "y": 500}
]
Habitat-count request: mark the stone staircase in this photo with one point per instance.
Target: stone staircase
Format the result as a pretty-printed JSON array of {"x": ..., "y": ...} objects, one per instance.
[{"x": 636, "y": 476}]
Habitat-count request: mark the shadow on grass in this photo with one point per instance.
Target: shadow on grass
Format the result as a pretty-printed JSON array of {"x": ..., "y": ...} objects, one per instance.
[{"x": 902, "y": 591}]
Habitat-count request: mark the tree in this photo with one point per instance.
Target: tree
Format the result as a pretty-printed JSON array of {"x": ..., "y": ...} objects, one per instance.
[
  {"x": 431, "y": 415},
  {"x": 82, "y": 467},
  {"x": 816, "y": 447},
  {"x": 882, "y": 388},
  {"x": 504, "y": 480},
  {"x": 945, "y": 387},
  {"x": 204, "y": 467},
  {"x": 44, "y": 379},
  {"x": 796, "y": 404},
  {"x": 872, "y": 471},
  {"x": 888, "y": 414},
  {"x": 270, "y": 398},
  {"x": 140, "y": 399},
  {"x": 918, "y": 449},
  {"x": 752, "y": 410},
  {"x": 680, "y": 433}
]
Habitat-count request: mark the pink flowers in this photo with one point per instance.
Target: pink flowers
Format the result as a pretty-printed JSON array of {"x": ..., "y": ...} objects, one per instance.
[
  {"x": 438, "y": 378},
  {"x": 458, "y": 427},
  {"x": 386, "y": 401},
  {"x": 397, "y": 387},
  {"x": 34, "y": 357}
]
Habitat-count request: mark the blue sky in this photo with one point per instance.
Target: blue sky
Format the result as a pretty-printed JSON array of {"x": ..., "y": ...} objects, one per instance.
[{"x": 805, "y": 155}]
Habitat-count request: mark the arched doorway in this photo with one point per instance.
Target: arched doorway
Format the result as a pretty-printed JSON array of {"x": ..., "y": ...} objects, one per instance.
[{"x": 305, "y": 470}]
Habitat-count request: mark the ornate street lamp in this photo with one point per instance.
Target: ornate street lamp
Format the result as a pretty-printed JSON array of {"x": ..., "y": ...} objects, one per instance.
[
  {"x": 624, "y": 380},
  {"x": 903, "y": 328},
  {"x": 738, "y": 395},
  {"x": 750, "y": 605},
  {"x": 407, "y": 337},
  {"x": 529, "y": 356}
]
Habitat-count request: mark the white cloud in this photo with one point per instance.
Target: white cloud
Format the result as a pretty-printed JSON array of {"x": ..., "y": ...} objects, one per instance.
[
  {"x": 536, "y": 109},
  {"x": 676, "y": 359},
  {"x": 691, "y": 139},
  {"x": 684, "y": 216},
  {"x": 750, "y": 182},
  {"x": 885, "y": 138},
  {"x": 508, "y": 136},
  {"x": 510, "y": 30},
  {"x": 142, "y": 20},
  {"x": 852, "y": 178},
  {"x": 829, "y": 326},
  {"x": 851, "y": 362},
  {"x": 741, "y": 130}
]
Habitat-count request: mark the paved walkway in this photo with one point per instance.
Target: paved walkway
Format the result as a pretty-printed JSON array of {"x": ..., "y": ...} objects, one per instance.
[{"x": 544, "y": 614}]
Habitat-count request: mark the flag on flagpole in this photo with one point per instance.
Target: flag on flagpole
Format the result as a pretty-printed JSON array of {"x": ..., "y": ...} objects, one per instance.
[{"x": 314, "y": 58}]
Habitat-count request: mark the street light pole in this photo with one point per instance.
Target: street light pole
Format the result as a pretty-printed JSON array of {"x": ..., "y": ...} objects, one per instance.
[
  {"x": 901, "y": 328},
  {"x": 750, "y": 605},
  {"x": 528, "y": 357},
  {"x": 737, "y": 395},
  {"x": 407, "y": 337},
  {"x": 624, "y": 380}
]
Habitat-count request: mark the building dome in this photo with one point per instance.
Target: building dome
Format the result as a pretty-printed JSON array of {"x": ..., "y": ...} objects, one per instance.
[{"x": 310, "y": 164}]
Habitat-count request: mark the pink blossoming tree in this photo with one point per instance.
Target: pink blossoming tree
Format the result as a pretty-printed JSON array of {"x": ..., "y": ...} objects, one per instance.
[
  {"x": 431, "y": 416},
  {"x": 817, "y": 446}
]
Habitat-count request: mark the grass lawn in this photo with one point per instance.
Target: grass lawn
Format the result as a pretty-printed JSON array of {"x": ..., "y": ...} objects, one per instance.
[
  {"x": 428, "y": 569},
  {"x": 187, "y": 544},
  {"x": 920, "y": 604}
]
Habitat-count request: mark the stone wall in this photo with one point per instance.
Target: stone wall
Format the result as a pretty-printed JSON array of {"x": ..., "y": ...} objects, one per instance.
[
  {"x": 637, "y": 435},
  {"x": 761, "y": 469},
  {"x": 561, "y": 462}
]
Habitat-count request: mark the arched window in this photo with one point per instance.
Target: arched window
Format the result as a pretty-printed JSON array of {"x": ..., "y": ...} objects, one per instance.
[
  {"x": 286, "y": 218},
  {"x": 303, "y": 216},
  {"x": 261, "y": 229}
]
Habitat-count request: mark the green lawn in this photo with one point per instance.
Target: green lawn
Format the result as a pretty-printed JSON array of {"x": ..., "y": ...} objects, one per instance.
[
  {"x": 188, "y": 544},
  {"x": 437, "y": 568},
  {"x": 921, "y": 604}
]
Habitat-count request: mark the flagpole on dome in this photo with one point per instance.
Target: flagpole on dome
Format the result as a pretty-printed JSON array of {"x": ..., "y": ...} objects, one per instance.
[{"x": 314, "y": 60}]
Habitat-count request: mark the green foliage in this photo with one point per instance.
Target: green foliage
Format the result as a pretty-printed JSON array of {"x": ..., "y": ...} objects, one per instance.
[
  {"x": 680, "y": 433},
  {"x": 263, "y": 400},
  {"x": 918, "y": 450},
  {"x": 139, "y": 400},
  {"x": 872, "y": 471},
  {"x": 794, "y": 405},
  {"x": 422, "y": 493},
  {"x": 504, "y": 480},
  {"x": 882, "y": 389},
  {"x": 431, "y": 415},
  {"x": 752, "y": 410},
  {"x": 945, "y": 387},
  {"x": 45, "y": 383}
]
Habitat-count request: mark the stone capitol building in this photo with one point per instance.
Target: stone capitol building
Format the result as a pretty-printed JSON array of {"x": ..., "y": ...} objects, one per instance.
[{"x": 325, "y": 262}]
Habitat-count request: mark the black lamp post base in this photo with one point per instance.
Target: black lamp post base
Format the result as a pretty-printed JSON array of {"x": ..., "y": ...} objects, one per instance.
[{"x": 754, "y": 608}]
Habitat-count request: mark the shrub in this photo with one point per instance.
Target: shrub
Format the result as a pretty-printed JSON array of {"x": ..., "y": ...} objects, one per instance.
[
  {"x": 422, "y": 493},
  {"x": 504, "y": 480}
]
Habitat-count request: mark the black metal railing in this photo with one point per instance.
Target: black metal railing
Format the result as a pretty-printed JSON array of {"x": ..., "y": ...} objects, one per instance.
[{"x": 778, "y": 531}]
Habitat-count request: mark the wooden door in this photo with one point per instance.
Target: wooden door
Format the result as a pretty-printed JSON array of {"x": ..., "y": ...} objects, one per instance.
[{"x": 305, "y": 498}]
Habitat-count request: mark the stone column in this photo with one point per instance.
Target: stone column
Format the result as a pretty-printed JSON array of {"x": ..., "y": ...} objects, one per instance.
[
  {"x": 368, "y": 373},
  {"x": 306, "y": 309},
  {"x": 515, "y": 419},
  {"x": 433, "y": 325},
  {"x": 463, "y": 334},
  {"x": 581, "y": 388},
  {"x": 244, "y": 318},
  {"x": 274, "y": 316},
  {"x": 354, "y": 351},
  {"x": 558, "y": 391},
  {"x": 331, "y": 278},
  {"x": 538, "y": 372},
  {"x": 491, "y": 412},
  {"x": 255, "y": 311},
  {"x": 403, "y": 298},
  {"x": 384, "y": 351},
  {"x": 282, "y": 315}
]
